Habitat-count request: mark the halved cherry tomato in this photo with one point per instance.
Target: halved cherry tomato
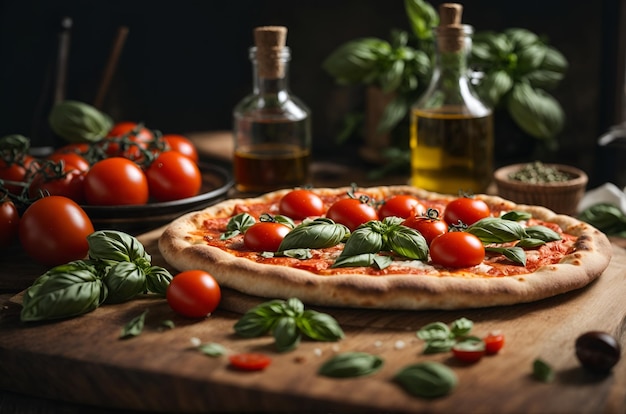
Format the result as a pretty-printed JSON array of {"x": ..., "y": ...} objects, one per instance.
[
  {"x": 182, "y": 144},
  {"x": 351, "y": 212},
  {"x": 465, "y": 210},
  {"x": 300, "y": 204},
  {"x": 54, "y": 229},
  {"x": 253, "y": 361},
  {"x": 116, "y": 181},
  {"x": 193, "y": 293},
  {"x": 429, "y": 226},
  {"x": 173, "y": 176},
  {"x": 9, "y": 222},
  {"x": 265, "y": 236},
  {"x": 493, "y": 343},
  {"x": 400, "y": 205},
  {"x": 457, "y": 249},
  {"x": 469, "y": 350}
]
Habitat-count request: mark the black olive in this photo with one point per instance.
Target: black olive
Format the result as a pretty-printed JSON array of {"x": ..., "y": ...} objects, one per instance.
[{"x": 597, "y": 351}]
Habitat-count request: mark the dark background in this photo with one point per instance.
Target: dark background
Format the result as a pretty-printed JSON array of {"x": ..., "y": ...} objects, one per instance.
[{"x": 184, "y": 65}]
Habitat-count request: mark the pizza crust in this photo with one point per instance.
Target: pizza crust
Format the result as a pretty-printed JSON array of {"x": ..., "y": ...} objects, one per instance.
[{"x": 446, "y": 291}]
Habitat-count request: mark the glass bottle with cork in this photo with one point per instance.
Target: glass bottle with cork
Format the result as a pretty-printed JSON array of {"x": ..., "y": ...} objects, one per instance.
[
  {"x": 451, "y": 129},
  {"x": 272, "y": 127}
]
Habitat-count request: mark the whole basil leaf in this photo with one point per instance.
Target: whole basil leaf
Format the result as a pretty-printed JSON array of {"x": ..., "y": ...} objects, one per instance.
[
  {"x": 535, "y": 111},
  {"x": 407, "y": 242},
  {"x": 530, "y": 243},
  {"x": 514, "y": 254},
  {"x": 351, "y": 364},
  {"x": 606, "y": 217},
  {"x": 293, "y": 307},
  {"x": 530, "y": 58},
  {"x": 360, "y": 260},
  {"x": 238, "y": 224},
  {"x": 356, "y": 61},
  {"x": 423, "y": 17},
  {"x": 543, "y": 233},
  {"x": 115, "y": 246},
  {"x": 319, "y": 326},
  {"x": 497, "y": 230},
  {"x": 124, "y": 281},
  {"x": 521, "y": 38},
  {"x": 427, "y": 379},
  {"x": 134, "y": 327},
  {"x": 72, "y": 290},
  {"x": 314, "y": 234},
  {"x": 158, "y": 279},
  {"x": 434, "y": 331},
  {"x": 382, "y": 261},
  {"x": 79, "y": 122},
  {"x": 286, "y": 333},
  {"x": 516, "y": 216},
  {"x": 461, "y": 327},
  {"x": 260, "y": 319},
  {"x": 363, "y": 240}
]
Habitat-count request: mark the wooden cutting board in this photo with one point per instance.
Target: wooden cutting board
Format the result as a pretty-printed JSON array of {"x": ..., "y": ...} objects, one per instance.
[{"x": 82, "y": 360}]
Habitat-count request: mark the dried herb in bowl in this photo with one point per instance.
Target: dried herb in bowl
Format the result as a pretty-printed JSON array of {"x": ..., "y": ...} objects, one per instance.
[{"x": 537, "y": 173}]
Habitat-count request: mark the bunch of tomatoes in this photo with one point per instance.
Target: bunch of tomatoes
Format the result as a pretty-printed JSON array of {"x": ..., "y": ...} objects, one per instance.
[
  {"x": 447, "y": 248},
  {"x": 132, "y": 165}
]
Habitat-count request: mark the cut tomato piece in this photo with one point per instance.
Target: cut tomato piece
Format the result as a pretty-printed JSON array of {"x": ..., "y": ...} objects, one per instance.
[
  {"x": 493, "y": 343},
  {"x": 249, "y": 361}
]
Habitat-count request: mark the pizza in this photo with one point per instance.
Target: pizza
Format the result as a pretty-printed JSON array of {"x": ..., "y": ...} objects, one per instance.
[{"x": 404, "y": 276}]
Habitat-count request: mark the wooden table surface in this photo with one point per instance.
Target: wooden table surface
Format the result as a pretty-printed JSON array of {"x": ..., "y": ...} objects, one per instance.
[{"x": 80, "y": 365}]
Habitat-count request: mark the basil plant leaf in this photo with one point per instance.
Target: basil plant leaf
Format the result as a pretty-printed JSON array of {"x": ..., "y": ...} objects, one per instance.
[
  {"x": 158, "y": 279},
  {"x": 115, "y": 246},
  {"x": 314, "y": 234},
  {"x": 355, "y": 61},
  {"x": 496, "y": 230},
  {"x": 535, "y": 111},
  {"x": 422, "y": 17},
  {"x": 124, "y": 281},
  {"x": 62, "y": 292}
]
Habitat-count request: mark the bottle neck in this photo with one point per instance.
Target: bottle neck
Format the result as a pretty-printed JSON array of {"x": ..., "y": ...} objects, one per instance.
[
  {"x": 270, "y": 71},
  {"x": 451, "y": 59}
]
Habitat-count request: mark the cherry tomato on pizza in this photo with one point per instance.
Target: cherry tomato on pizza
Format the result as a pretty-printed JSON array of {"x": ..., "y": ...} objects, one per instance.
[
  {"x": 193, "y": 293},
  {"x": 265, "y": 236},
  {"x": 181, "y": 144},
  {"x": 9, "y": 222},
  {"x": 300, "y": 203},
  {"x": 351, "y": 212},
  {"x": 116, "y": 181},
  {"x": 173, "y": 176},
  {"x": 429, "y": 225},
  {"x": 493, "y": 343},
  {"x": 465, "y": 210},
  {"x": 253, "y": 361},
  {"x": 54, "y": 229},
  {"x": 457, "y": 249},
  {"x": 400, "y": 205}
]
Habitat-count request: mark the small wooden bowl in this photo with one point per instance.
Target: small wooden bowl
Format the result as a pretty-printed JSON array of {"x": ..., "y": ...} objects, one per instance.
[{"x": 561, "y": 197}]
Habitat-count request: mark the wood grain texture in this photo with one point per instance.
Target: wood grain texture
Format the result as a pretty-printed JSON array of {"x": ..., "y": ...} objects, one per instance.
[{"x": 81, "y": 360}]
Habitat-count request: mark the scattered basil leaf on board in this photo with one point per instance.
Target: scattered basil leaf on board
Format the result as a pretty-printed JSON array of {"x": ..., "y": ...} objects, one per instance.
[
  {"x": 427, "y": 379},
  {"x": 115, "y": 246},
  {"x": 134, "y": 327},
  {"x": 212, "y": 349},
  {"x": 351, "y": 364},
  {"x": 124, "y": 281},
  {"x": 542, "y": 371}
]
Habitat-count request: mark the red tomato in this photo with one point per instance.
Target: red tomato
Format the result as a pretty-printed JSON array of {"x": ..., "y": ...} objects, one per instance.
[
  {"x": 139, "y": 140},
  {"x": 182, "y": 144},
  {"x": 265, "y": 236},
  {"x": 79, "y": 148},
  {"x": 428, "y": 227},
  {"x": 249, "y": 361},
  {"x": 125, "y": 127},
  {"x": 401, "y": 205},
  {"x": 70, "y": 159},
  {"x": 9, "y": 222},
  {"x": 465, "y": 210},
  {"x": 71, "y": 184},
  {"x": 469, "y": 351},
  {"x": 457, "y": 249},
  {"x": 193, "y": 293},
  {"x": 173, "y": 176},
  {"x": 300, "y": 204},
  {"x": 116, "y": 181},
  {"x": 17, "y": 172},
  {"x": 493, "y": 343},
  {"x": 351, "y": 212},
  {"x": 53, "y": 231}
]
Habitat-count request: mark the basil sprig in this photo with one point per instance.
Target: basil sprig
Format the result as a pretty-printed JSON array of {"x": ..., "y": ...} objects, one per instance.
[
  {"x": 439, "y": 337},
  {"x": 288, "y": 320},
  {"x": 118, "y": 269},
  {"x": 238, "y": 224}
]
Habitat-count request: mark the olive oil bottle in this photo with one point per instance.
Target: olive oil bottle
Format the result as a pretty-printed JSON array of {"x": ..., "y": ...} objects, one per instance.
[{"x": 451, "y": 129}]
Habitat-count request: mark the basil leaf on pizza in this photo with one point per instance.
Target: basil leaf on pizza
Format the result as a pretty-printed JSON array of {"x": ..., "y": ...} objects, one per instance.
[
  {"x": 315, "y": 234},
  {"x": 238, "y": 225},
  {"x": 497, "y": 230}
]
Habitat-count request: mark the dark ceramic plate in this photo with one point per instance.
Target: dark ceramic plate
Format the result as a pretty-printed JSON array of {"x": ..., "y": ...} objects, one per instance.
[{"x": 216, "y": 181}]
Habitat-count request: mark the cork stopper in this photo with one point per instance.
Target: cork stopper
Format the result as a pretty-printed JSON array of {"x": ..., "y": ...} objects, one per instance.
[
  {"x": 451, "y": 32},
  {"x": 270, "y": 43}
]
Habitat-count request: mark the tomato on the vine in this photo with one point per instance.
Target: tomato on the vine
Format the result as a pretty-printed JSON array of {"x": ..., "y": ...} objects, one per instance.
[
  {"x": 193, "y": 293},
  {"x": 54, "y": 229},
  {"x": 116, "y": 181},
  {"x": 79, "y": 148},
  {"x": 182, "y": 144},
  {"x": 457, "y": 249},
  {"x": 9, "y": 222},
  {"x": 68, "y": 183},
  {"x": 493, "y": 343},
  {"x": 300, "y": 203},
  {"x": 351, "y": 212},
  {"x": 265, "y": 236},
  {"x": 465, "y": 210},
  {"x": 70, "y": 159},
  {"x": 18, "y": 172},
  {"x": 133, "y": 144},
  {"x": 429, "y": 225},
  {"x": 400, "y": 205},
  {"x": 173, "y": 176},
  {"x": 249, "y": 361},
  {"x": 126, "y": 127}
]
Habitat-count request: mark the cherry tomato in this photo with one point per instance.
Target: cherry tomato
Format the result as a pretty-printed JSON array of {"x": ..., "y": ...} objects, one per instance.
[
  {"x": 173, "y": 176},
  {"x": 70, "y": 184},
  {"x": 401, "y": 205},
  {"x": 138, "y": 140},
  {"x": 265, "y": 236},
  {"x": 465, "y": 210},
  {"x": 469, "y": 350},
  {"x": 79, "y": 148},
  {"x": 125, "y": 127},
  {"x": 54, "y": 229},
  {"x": 116, "y": 181},
  {"x": 427, "y": 226},
  {"x": 457, "y": 249},
  {"x": 300, "y": 204},
  {"x": 17, "y": 172},
  {"x": 9, "y": 222},
  {"x": 249, "y": 361},
  {"x": 493, "y": 343},
  {"x": 70, "y": 159},
  {"x": 351, "y": 212},
  {"x": 182, "y": 144},
  {"x": 193, "y": 293}
]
